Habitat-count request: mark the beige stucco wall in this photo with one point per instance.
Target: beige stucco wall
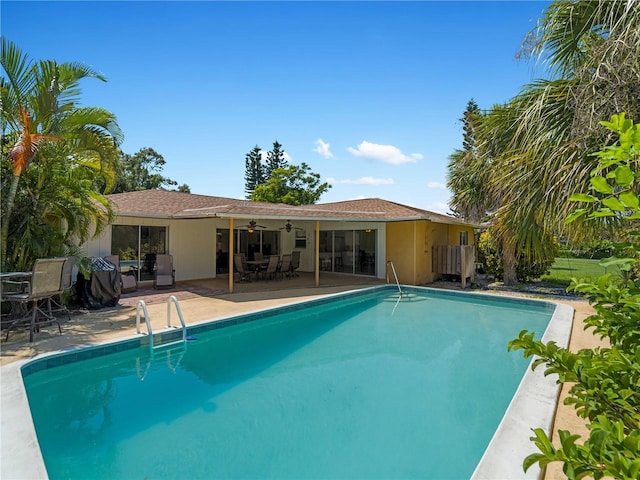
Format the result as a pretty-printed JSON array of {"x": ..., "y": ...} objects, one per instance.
[
  {"x": 193, "y": 246},
  {"x": 193, "y": 243}
]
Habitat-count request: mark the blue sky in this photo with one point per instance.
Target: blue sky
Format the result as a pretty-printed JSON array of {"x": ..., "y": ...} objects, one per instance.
[{"x": 369, "y": 94}]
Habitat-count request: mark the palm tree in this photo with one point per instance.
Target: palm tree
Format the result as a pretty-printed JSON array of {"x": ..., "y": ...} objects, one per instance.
[
  {"x": 41, "y": 125},
  {"x": 539, "y": 142}
]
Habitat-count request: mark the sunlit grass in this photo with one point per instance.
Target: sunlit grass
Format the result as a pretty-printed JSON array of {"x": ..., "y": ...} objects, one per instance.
[{"x": 564, "y": 269}]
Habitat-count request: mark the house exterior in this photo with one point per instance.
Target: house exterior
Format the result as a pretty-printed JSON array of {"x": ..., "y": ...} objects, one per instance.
[{"x": 356, "y": 237}]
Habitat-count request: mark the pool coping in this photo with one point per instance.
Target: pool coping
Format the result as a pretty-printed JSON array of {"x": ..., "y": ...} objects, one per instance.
[{"x": 532, "y": 406}]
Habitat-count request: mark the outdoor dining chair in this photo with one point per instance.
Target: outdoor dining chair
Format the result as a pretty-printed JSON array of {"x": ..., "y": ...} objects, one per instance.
[
  {"x": 46, "y": 282},
  {"x": 285, "y": 265},
  {"x": 56, "y": 303},
  {"x": 272, "y": 268},
  {"x": 243, "y": 271},
  {"x": 295, "y": 262}
]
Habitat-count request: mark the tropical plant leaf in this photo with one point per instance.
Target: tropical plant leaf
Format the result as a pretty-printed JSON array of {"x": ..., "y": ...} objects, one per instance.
[
  {"x": 601, "y": 185},
  {"x": 575, "y": 215},
  {"x": 614, "y": 204},
  {"x": 630, "y": 200},
  {"x": 624, "y": 176},
  {"x": 582, "y": 197}
]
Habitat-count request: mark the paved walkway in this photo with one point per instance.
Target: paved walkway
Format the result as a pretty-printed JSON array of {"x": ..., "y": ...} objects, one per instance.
[{"x": 208, "y": 300}]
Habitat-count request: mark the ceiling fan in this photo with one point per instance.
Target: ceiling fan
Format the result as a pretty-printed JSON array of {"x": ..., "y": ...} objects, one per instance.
[
  {"x": 288, "y": 227},
  {"x": 252, "y": 225}
]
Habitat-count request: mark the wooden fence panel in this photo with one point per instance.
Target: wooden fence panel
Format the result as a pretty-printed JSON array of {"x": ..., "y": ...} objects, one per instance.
[{"x": 454, "y": 260}]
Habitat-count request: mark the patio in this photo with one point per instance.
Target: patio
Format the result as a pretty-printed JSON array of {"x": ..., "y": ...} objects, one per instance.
[{"x": 220, "y": 286}]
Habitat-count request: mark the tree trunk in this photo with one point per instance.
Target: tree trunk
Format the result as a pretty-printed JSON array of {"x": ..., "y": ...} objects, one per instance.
[
  {"x": 509, "y": 263},
  {"x": 4, "y": 231}
]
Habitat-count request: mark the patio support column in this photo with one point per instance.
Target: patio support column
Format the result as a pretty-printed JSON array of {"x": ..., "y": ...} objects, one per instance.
[
  {"x": 317, "y": 266},
  {"x": 231, "y": 251}
]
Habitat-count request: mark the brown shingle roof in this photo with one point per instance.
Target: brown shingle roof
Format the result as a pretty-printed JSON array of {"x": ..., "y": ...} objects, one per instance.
[{"x": 169, "y": 204}]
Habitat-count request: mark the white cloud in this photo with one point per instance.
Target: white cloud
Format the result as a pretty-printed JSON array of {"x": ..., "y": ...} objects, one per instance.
[
  {"x": 440, "y": 207},
  {"x": 437, "y": 185},
  {"x": 322, "y": 148},
  {"x": 383, "y": 153},
  {"x": 368, "y": 181}
]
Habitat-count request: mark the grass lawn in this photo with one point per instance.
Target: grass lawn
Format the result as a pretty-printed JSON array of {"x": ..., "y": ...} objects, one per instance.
[{"x": 564, "y": 269}]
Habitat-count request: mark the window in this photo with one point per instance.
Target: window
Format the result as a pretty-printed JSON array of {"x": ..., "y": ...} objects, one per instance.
[
  {"x": 464, "y": 238},
  {"x": 301, "y": 239}
]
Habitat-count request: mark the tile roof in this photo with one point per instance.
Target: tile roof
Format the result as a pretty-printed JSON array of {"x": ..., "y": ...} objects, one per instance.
[{"x": 171, "y": 204}]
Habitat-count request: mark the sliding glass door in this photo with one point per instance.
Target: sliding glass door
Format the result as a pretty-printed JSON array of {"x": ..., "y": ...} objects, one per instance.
[
  {"x": 348, "y": 251},
  {"x": 137, "y": 247}
]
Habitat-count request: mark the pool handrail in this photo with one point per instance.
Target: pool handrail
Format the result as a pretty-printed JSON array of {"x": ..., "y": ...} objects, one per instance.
[
  {"x": 393, "y": 269},
  {"x": 170, "y": 300}
]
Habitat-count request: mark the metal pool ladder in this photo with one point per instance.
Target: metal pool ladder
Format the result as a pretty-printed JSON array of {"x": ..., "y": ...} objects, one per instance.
[
  {"x": 143, "y": 306},
  {"x": 393, "y": 269}
]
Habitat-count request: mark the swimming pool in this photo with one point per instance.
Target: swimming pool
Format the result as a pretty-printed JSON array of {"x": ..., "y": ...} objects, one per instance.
[{"x": 319, "y": 391}]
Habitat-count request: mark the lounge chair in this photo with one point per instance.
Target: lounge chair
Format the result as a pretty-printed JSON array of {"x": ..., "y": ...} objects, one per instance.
[
  {"x": 243, "y": 271},
  {"x": 164, "y": 276},
  {"x": 128, "y": 281},
  {"x": 45, "y": 282}
]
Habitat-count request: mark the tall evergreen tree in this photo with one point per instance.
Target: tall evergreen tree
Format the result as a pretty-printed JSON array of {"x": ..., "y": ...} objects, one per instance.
[
  {"x": 467, "y": 177},
  {"x": 254, "y": 173},
  {"x": 275, "y": 160},
  {"x": 470, "y": 121}
]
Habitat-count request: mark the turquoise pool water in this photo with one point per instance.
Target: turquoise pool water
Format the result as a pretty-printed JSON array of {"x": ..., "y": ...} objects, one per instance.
[{"x": 361, "y": 387}]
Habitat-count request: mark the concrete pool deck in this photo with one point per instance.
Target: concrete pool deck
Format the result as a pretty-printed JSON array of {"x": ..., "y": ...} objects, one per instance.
[{"x": 109, "y": 324}]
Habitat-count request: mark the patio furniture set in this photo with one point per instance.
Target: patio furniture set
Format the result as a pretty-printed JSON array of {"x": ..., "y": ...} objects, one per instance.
[
  {"x": 266, "y": 267},
  {"x": 34, "y": 298}
]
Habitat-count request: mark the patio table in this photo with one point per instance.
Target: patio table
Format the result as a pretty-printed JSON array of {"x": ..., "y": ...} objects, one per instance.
[{"x": 258, "y": 265}]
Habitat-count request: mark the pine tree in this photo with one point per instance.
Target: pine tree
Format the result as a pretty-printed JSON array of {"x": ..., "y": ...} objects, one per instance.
[
  {"x": 254, "y": 173},
  {"x": 275, "y": 160},
  {"x": 470, "y": 122}
]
